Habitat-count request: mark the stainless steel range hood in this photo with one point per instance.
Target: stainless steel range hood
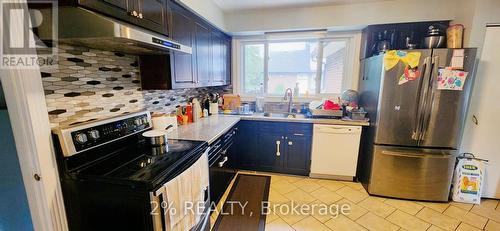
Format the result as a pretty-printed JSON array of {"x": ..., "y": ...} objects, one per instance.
[{"x": 82, "y": 27}]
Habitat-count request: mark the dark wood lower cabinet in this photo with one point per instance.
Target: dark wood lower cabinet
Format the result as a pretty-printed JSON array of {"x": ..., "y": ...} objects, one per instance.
[
  {"x": 270, "y": 151},
  {"x": 245, "y": 147},
  {"x": 274, "y": 147},
  {"x": 298, "y": 157}
]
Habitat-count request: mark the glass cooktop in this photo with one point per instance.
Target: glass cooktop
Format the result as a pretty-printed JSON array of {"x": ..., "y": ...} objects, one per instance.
[{"x": 144, "y": 163}]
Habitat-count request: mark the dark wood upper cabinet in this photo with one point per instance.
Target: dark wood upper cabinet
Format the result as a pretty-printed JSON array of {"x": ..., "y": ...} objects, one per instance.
[
  {"x": 122, "y": 4},
  {"x": 149, "y": 14},
  {"x": 396, "y": 35},
  {"x": 182, "y": 64},
  {"x": 209, "y": 64},
  {"x": 217, "y": 59},
  {"x": 228, "y": 60},
  {"x": 221, "y": 59},
  {"x": 210, "y": 60},
  {"x": 153, "y": 15},
  {"x": 202, "y": 51}
]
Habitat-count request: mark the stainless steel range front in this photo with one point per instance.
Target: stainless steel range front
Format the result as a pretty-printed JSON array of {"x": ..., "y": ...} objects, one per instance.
[{"x": 113, "y": 180}]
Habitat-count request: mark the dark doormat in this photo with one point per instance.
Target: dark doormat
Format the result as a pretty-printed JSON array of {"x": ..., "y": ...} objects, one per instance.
[{"x": 242, "y": 210}]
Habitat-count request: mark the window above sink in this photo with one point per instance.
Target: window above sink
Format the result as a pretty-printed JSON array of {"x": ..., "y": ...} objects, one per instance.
[{"x": 318, "y": 64}]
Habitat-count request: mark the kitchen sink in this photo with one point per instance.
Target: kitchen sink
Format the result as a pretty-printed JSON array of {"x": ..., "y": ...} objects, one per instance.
[{"x": 283, "y": 115}]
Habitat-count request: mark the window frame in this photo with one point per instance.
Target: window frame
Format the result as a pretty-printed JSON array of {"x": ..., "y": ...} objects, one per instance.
[{"x": 350, "y": 72}]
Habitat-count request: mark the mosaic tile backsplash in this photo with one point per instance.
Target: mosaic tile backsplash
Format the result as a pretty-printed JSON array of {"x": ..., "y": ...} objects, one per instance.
[{"x": 94, "y": 84}]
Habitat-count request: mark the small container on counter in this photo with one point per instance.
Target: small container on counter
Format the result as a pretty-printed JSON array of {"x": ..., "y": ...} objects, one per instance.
[
  {"x": 455, "y": 35},
  {"x": 214, "y": 109},
  {"x": 358, "y": 114},
  {"x": 189, "y": 112},
  {"x": 163, "y": 121}
]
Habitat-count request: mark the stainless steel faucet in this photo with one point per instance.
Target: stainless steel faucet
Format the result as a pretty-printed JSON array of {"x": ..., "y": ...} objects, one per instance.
[{"x": 289, "y": 97}]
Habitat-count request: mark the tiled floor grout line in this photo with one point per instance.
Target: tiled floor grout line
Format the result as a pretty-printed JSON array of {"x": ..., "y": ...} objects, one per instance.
[
  {"x": 301, "y": 184},
  {"x": 486, "y": 224}
]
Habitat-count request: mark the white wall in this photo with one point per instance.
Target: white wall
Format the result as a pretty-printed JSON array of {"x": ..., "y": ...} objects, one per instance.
[
  {"x": 340, "y": 16},
  {"x": 208, "y": 10},
  {"x": 485, "y": 11}
]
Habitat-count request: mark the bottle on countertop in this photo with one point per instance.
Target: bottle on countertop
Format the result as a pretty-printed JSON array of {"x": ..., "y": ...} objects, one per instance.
[
  {"x": 197, "y": 111},
  {"x": 206, "y": 104},
  {"x": 189, "y": 112},
  {"x": 296, "y": 90},
  {"x": 259, "y": 99}
]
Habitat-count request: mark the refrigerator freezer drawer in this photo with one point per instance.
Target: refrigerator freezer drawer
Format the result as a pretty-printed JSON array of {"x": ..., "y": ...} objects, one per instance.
[{"x": 419, "y": 174}]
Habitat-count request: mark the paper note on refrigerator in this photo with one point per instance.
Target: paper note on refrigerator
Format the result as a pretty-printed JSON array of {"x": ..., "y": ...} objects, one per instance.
[
  {"x": 457, "y": 60},
  {"x": 451, "y": 79}
]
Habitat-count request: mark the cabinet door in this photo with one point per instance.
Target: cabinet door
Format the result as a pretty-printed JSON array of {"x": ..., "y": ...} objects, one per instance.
[
  {"x": 227, "y": 63},
  {"x": 203, "y": 55},
  {"x": 154, "y": 15},
  {"x": 298, "y": 153},
  {"x": 181, "y": 63},
  {"x": 120, "y": 9},
  {"x": 271, "y": 146},
  {"x": 122, "y": 4},
  {"x": 153, "y": 12},
  {"x": 218, "y": 61},
  {"x": 245, "y": 152},
  {"x": 271, "y": 152}
]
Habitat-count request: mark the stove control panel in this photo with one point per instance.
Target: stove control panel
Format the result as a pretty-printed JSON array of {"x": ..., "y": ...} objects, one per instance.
[{"x": 78, "y": 138}]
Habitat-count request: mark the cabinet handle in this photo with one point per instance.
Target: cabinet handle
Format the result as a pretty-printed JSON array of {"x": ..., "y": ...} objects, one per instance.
[
  {"x": 221, "y": 164},
  {"x": 290, "y": 143},
  {"x": 278, "y": 148},
  {"x": 298, "y": 134},
  {"x": 133, "y": 13},
  {"x": 140, "y": 15}
]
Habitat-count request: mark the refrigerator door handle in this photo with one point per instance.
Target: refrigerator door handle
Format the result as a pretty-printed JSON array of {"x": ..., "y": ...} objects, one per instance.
[
  {"x": 420, "y": 101},
  {"x": 410, "y": 155},
  {"x": 429, "y": 99}
]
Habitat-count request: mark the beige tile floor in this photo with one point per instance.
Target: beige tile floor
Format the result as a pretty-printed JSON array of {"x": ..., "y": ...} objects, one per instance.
[{"x": 368, "y": 212}]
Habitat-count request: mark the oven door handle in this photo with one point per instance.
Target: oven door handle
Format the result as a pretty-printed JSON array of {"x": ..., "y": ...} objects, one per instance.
[
  {"x": 221, "y": 164},
  {"x": 157, "y": 211}
]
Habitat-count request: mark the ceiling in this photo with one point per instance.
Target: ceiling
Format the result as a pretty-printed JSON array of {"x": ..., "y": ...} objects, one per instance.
[{"x": 235, "y": 5}]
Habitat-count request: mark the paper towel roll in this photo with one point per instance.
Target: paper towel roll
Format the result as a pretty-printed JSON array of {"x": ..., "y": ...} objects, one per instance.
[{"x": 162, "y": 122}]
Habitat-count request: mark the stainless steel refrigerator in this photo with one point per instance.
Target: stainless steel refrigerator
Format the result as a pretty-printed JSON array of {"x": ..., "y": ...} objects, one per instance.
[{"x": 410, "y": 147}]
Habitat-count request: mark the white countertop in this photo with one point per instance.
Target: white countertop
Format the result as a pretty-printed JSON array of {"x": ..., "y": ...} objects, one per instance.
[
  {"x": 205, "y": 129},
  {"x": 261, "y": 117},
  {"x": 210, "y": 128}
]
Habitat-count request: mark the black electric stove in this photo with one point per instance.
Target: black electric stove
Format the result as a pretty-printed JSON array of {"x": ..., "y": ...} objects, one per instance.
[
  {"x": 110, "y": 175},
  {"x": 142, "y": 165}
]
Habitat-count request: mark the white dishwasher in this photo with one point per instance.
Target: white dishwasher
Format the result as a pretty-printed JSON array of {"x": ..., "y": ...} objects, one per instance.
[{"x": 335, "y": 151}]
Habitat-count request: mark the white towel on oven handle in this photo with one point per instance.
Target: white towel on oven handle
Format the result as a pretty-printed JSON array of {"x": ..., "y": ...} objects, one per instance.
[{"x": 186, "y": 190}]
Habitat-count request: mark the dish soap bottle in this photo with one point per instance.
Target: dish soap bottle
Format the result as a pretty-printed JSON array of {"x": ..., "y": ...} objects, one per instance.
[
  {"x": 296, "y": 90},
  {"x": 259, "y": 100}
]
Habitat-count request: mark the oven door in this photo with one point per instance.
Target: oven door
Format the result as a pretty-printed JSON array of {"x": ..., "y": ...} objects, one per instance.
[
  {"x": 220, "y": 174},
  {"x": 161, "y": 199}
]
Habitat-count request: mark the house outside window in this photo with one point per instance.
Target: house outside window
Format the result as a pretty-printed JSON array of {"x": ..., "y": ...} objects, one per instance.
[{"x": 317, "y": 67}]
